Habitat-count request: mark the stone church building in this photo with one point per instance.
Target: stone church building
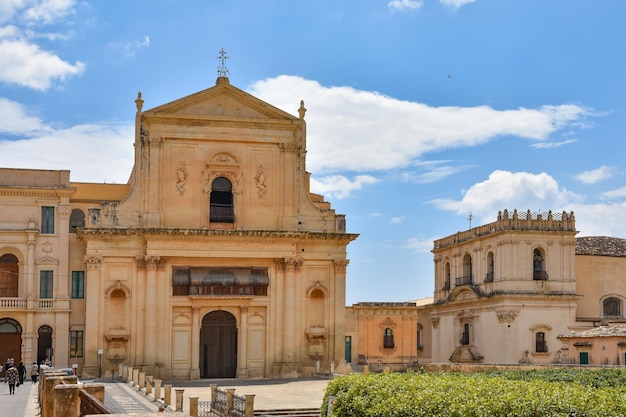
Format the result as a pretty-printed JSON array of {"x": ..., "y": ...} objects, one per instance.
[{"x": 215, "y": 260}]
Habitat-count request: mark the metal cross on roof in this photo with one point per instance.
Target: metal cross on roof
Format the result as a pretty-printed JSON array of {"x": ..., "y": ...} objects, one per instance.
[{"x": 222, "y": 71}]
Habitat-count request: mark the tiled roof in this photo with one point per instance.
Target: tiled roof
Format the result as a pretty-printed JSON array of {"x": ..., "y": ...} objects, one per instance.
[
  {"x": 600, "y": 331},
  {"x": 601, "y": 246}
]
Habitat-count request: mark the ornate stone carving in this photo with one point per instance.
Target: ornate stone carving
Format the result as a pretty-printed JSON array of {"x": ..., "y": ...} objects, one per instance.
[
  {"x": 288, "y": 147},
  {"x": 260, "y": 177},
  {"x": 64, "y": 211},
  {"x": 181, "y": 177},
  {"x": 293, "y": 264},
  {"x": 388, "y": 324},
  {"x": 506, "y": 316},
  {"x": 435, "y": 322},
  {"x": 341, "y": 265},
  {"x": 92, "y": 262}
]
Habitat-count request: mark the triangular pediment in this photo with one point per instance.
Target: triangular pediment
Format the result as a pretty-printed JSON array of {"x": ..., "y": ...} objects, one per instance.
[{"x": 221, "y": 101}]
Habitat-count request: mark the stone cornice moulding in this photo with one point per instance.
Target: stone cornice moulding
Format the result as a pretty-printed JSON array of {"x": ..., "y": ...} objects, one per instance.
[
  {"x": 177, "y": 233},
  {"x": 179, "y": 120}
]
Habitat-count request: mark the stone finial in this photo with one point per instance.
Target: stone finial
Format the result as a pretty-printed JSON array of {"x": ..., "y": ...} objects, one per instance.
[
  {"x": 302, "y": 109},
  {"x": 139, "y": 101}
]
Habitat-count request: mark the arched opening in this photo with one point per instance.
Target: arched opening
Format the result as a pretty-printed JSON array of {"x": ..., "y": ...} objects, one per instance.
[
  {"x": 218, "y": 345},
  {"x": 10, "y": 341},
  {"x": 490, "y": 267},
  {"x": 466, "y": 278},
  {"x": 222, "y": 209},
  {"x": 611, "y": 308},
  {"x": 9, "y": 275},
  {"x": 44, "y": 344},
  {"x": 77, "y": 219},
  {"x": 446, "y": 284},
  {"x": 539, "y": 265},
  {"x": 388, "y": 339}
]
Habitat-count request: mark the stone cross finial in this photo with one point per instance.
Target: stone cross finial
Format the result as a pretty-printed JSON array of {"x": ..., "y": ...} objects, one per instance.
[{"x": 222, "y": 71}]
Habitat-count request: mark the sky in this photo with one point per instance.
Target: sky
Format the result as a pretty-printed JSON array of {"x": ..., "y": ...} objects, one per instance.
[{"x": 424, "y": 118}]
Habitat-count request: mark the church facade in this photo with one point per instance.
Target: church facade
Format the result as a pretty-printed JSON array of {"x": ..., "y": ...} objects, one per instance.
[{"x": 214, "y": 260}]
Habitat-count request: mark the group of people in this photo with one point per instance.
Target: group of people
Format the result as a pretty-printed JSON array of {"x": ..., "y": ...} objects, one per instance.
[{"x": 14, "y": 375}]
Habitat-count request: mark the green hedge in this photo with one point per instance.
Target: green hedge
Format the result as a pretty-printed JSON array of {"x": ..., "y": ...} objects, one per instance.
[{"x": 468, "y": 395}]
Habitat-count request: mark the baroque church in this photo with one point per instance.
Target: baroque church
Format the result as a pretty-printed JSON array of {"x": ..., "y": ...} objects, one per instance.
[{"x": 215, "y": 260}]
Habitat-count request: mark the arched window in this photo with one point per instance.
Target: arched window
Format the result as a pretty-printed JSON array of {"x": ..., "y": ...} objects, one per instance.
[
  {"x": 465, "y": 336},
  {"x": 490, "y": 267},
  {"x": 540, "y": 342},
  {"x": 612, "y": 307},
  {"x": 446, "y": 285},
  {"x": 9, "y": 275},
  {"x": 222, "y": 209},
  {"x": 539, "y": 265},
  {"x": 77, "y": 219},
  {"x": 420, "y": 332},
  {"x": 467, "y": 271},
  {"x": 388, "y": 338}
]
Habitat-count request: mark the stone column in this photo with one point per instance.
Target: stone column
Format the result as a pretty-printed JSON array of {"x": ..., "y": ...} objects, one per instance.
[
  {"x": 157, "y": 389},
  {"x": 291, "y": 264},
  {"x": 66, "y": 400},
  {"x": 150, "y": 311},
  {"x": 167, "y": 400},
  {"x": 249, "y": 405},
  {"x": 337, "y": 324},
  {"x": 194, "y": 372},
  {"x": 94, "y": 316},
  {"x": 179, "y": 399},
  {"x": 275, "y": 329},
  {"x": 243, "y": 342},
  {"x": 193, "y": 406}
]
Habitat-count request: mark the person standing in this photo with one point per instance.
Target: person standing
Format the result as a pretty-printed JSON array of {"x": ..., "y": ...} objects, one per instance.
[
  {"x": 34, "y": 373},
  {"x": 21, "y": 371},
  {"x": 12, "y": 378}
]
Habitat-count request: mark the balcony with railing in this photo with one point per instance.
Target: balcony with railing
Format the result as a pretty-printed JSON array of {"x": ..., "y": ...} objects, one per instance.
[
  {"x": 16, "y": 303},
  {"x": 464, "y": 280}
]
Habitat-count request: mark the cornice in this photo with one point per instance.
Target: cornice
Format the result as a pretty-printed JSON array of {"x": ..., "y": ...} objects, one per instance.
[
  {"x": 178, "y": 233},
  {"x": 249, "y": 124},
  {"x": 28, "y": 192}
]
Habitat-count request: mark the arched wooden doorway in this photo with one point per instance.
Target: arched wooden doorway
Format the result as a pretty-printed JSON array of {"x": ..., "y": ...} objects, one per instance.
[
  {"x": 218, "y": 345},
  {"x": 10, "y": 341},
  {"x": 44, "y": 344}
]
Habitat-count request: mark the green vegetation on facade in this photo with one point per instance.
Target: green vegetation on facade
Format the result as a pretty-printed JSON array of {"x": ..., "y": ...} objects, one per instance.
[{"x": 552, "y": 392}]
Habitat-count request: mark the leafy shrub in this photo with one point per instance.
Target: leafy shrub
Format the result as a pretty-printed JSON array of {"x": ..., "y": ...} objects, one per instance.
[{"x": 468, "y": 395}]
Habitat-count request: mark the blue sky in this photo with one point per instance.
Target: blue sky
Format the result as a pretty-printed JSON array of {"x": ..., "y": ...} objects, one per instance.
[{"x": 419, "y": 112}]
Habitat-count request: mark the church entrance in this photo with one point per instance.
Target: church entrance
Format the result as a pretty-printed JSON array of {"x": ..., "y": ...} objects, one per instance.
[
  {"x": 218, "y": 345},
  {"x": 10, "y": 341}
]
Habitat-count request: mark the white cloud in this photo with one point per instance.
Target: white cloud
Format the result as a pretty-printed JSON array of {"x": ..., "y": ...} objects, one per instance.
[
  {"x": 420, "y": 245},
  {"x": 550, "y": 145},
  {"x": 27, "y": 65},
  {"x": 24, "y": 62},
  {"x": 93, "y": 153},
  {"x": 345, "y": 121},
  {"x": 596, "y": 175},
  {"x": 455, "y": 4},
  {"x": 48, "y": 11},
  {"x": 614, "y": 194},
  {"x": 396, "y": 220},
  {"x": 339, "y": 186},
  {"x": 405, "y": 4},
  {"x": 510, "y": 190},
  {"x": 129, "y": 49},
  {"x": 15, "y": 120},
  {"x": 537, "y": 192}
]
